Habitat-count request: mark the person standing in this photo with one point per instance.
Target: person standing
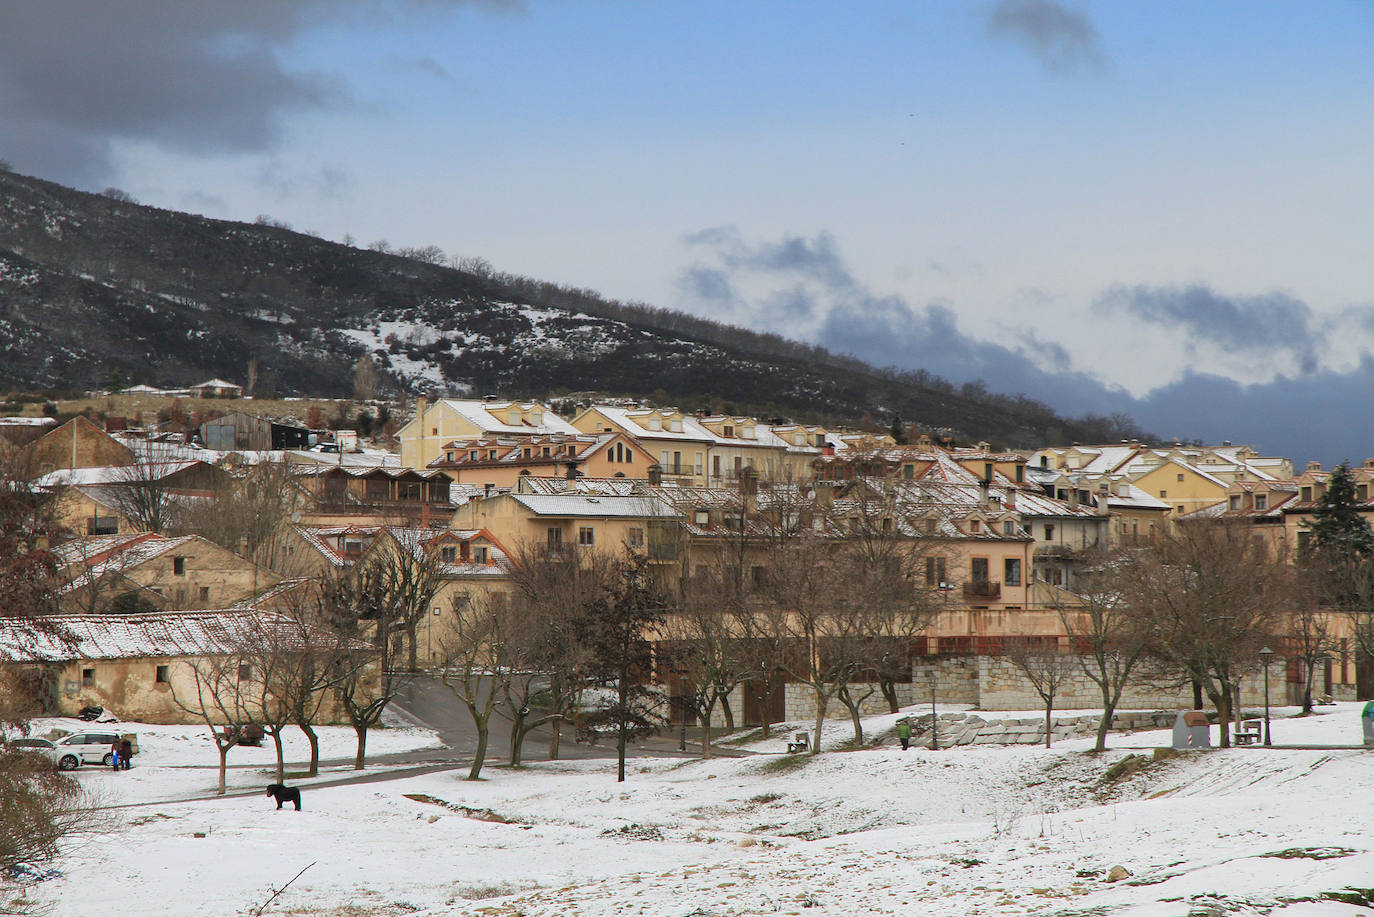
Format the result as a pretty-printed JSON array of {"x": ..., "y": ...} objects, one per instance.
[
  {"x": 114, "y": 755},
  {"x": 126, "y": 753},
  {"x": 1367, "y": 722},
  {"x": 904, "y": 732}
]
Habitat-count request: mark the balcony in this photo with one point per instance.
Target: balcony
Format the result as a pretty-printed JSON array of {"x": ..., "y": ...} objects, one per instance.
[{"x": 982, "y": 589}]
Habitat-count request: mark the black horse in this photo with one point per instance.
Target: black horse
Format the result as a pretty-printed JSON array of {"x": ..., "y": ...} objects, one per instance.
[{"x": 285, "y": 794}]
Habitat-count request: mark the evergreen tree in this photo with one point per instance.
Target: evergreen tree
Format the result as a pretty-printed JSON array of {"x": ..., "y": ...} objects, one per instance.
[{"x": 1336, "y": 524}]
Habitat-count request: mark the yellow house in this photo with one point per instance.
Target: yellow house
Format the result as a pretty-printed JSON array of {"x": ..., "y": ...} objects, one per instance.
[
  {"x": 434, "y": 426},
  {"x": 502, "y": 462},
  {"x": 568, "y": 521},
  {"x": 680, "y": 446}
]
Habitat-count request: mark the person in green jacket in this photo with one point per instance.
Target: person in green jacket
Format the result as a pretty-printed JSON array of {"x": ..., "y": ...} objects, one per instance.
[
  {"x": 1367, "y": 721},
  {"x": 904, "y": 732}
]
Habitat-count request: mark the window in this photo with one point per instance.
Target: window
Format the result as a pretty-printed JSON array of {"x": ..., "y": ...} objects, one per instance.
[
  {"x": 1008, "y": 527},
  {"x": 245, "y": 671},
  {"x": 1180, "y": 477},
  {"x": 585, "y": 536},
  {"x": 1011, "y": 571},
  {"x": 1020, "y": 474},
  {"x": 1306, "y": 495},
  {"x": 756, "y": 575},
  {"x": 699, "y": 464},
  {"x": 978, "y": 569},
  {"x": 635, "y": 537},
  {"x": 179, "y": 566},
  {"x": 205, "y": 594},
  {"x": 449, "y": 553},
  {"x": 1261, "y": 501},
  {"x": 513, "y": 418},
  {"x": 909, "y": 472},
  {"x": 87, "y": 678},
  {"x": 729, "y": 431},
  {"x": 677, "y": 463},
  {"x": 1163, "y": 495},
  {"x": 715, "y": 466},
  {"x": 481, "y": 554},
  {"x": 935, "y": 571},
  {"x": 181, "y": 595},
  {"x": 102, "y": 525},
  {"x": 987, "y": 471},
  {"x": 162, "y": 677},
  {"x": 655, "y": 424},
  {"x": 1049, "y": 533},
  {"x": 1362, "y": 492},
  {"x": 975, "y": 526},
  {"x": 1235, "y": 501},
  {"x": 555, "y": 536}
]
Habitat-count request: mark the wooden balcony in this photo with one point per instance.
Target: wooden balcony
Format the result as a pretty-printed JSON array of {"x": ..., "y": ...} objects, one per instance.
[{"x": 982, "y": 589}]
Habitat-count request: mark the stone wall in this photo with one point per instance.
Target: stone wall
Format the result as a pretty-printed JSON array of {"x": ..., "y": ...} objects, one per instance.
[{"x": 994, "y": 683}]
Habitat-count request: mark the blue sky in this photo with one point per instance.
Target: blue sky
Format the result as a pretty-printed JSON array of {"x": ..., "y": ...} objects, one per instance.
[{"x": 1158, "y": 208}]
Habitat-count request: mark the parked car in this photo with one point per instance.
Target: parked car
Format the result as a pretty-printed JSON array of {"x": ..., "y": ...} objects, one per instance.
[
  {"x": 44, "y": 747},
  {"x": 90, "y": 747}
]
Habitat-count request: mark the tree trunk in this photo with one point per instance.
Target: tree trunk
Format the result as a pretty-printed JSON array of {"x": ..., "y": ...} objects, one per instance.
[
  {"x": 1197, "y": 694},
  {"x": 479, "y": 756},
  {"x": 314, "y": 749},
  {"x": 413, "y": 649},
  {"x": 766, "y": 702},
  {"x": 729, "y": 712},
  {"x": 281, "y": 762},
  {"x": 820, "y": 721},
  {"x": 1307, "y": 692},
  {"x": 361, "y": 757},
  {"x": 517, "y": 738},
  {"x": 620, "y": 752},
  {"x": 890, "y": 692},
  {"x": 1049, "y": 720},
  {"x": 557, "y": 728},
  {"x": 705, "y": 729},
  {"x": 1222, "y": 700},
  {"x": 223, "y": 765}
]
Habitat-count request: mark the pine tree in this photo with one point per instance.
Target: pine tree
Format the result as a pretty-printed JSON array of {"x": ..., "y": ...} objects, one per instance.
[{"x": 1336, "y": 524}]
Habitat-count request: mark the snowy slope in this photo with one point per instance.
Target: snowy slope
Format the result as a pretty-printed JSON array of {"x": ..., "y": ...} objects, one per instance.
[{"x": 966, "y": 832}]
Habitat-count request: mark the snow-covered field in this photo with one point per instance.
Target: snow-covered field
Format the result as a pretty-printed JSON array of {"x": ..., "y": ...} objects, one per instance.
[{"x": 985, "y": 830}]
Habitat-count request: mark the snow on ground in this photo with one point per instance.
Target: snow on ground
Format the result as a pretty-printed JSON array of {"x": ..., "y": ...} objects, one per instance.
[
  {"x": 180, "y": 762},
  {"x": 971, "y": 831}
]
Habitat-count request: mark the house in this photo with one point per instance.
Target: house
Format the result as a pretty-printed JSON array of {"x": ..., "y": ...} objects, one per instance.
[
  {"x": 142, "y": 666},
  {"x": 78, "y": 443},
  {"x": 116, "y": 499},
  {"x": 434, "y": 426},
  {"x": 501, "y": 462},
  {"x": 239, "y": 431},
  {"x": 337, "y": 493},
  {"x": 554, "y": 523},
  {"x": 216, "y": 388},
  {"x": 154, "y": 571},
  {"x": 318, "y": 551}
]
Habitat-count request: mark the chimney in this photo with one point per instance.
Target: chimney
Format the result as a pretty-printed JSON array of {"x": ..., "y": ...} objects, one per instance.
[
  {"x": 655, "y": 474},
  {"x": 421, "y": 403},
  {"x": 1073, "y": 497},
  {"x": 749, "y": 490},
  {"x": 571, "y": 472},
  {"x": 1314, "y": 466},
  {"x": 1011, "y": 498}
]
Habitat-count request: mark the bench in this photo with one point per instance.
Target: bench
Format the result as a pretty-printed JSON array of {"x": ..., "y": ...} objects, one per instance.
[
  {"x": 1249, "y": 733},
  {"x": 802, "y": 742}
]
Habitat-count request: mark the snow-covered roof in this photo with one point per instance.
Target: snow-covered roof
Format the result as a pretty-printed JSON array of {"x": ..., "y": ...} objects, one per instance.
[
  {"x": 579, "y": 505},
  {"x": 217, "y": 383},
  {"x": 113, "y": 474},
  {"x": 485, "y": 416},
  {"x": 155, "y": 635},
  {"x": 27, "y": 421}
]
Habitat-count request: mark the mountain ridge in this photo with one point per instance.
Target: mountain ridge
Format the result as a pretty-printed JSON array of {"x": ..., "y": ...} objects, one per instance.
[{"x": 92, "y": 285}]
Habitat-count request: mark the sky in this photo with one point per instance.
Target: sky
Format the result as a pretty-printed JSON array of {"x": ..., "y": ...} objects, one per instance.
[{"x": 1160, "y": 208}]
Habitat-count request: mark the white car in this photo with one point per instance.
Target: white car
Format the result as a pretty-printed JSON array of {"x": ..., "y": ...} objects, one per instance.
[
  {"x": 44, "y": 747},
  {"x": 90, "y": 746}
]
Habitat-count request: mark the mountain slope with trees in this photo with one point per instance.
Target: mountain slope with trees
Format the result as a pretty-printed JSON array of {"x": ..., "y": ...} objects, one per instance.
[{"x": 96, "y": 286}]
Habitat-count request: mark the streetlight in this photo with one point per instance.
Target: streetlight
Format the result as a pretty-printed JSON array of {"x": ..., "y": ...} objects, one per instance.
[{"x": 1265, "y": 655}]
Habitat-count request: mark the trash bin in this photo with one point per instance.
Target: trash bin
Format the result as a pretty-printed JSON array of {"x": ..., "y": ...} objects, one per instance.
[
  {"x": 1192, "y": 729},
  {"x": 1367, "y": 721}
]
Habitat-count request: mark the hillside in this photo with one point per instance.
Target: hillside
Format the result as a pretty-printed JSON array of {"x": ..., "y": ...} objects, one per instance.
[{"x": 92, "y": 286}]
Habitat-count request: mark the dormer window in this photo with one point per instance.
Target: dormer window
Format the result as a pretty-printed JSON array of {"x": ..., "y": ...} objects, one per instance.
[
  {"x": 799, "y": 439},
  {"x": 655, "y": 424},
  {"x": 537, "y": 418},
  {"x": 513, "y": 418},
  {"x": 728, "y": 431},
  {"x": 747, "y": 432},
  {"x": 472, "y": 456},
  {"x": 1261, "y": 501},
  {"x": 675, "y": 426}
]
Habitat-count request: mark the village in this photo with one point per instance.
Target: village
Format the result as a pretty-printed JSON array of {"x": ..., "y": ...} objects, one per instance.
[{"x": 770, "y": 589}]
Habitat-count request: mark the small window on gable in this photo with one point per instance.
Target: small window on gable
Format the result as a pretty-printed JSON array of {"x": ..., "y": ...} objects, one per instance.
[
  {"x": 1163, "y": 495},
  {"x": 975, "y": 526},
  {"x": 179, "y": 566},
  {"x": 449, "y": 553},
  {"x": 1049, "y": 533},
  {"x": 1235, "y": 501},
  {"x": 1261, "y": 501},
  {"x": 1180, "y": 476},
  {"x": 1306, "y": 495},
  {"x": 87, "y": 678},
  {"x": 1008, "y": 527},
  {"x": 163, "y": 675},
  {"x": 729, "y": 431},
  {"x": 481, "y": 554},
  {"x": 655, "y": 424}
]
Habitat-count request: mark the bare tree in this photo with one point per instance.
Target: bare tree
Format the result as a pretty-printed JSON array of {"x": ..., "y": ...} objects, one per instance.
[
  {"x": 365, "y": 681},
  {"x": 365, "y": 379},
  {"x": 1109, "y": 638},
  {"x": 1212, "y": 597},
  {"x": 1046, "y": 667},
  {"x": 142, "y": 495},
  {"x": 217, "y": 702},
  {"x": 471, "y": 669},
  {"x": 700, "y": 646},
  {"x": 1311, "y": 638},
  {"x": 248, "y": 511},
  {"x": 406, "y": 574}
]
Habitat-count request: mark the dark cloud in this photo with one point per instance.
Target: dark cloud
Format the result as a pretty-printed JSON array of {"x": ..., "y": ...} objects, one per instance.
[
  {"x": 1250, "y": 325},
  {"x": 1060, "y": 38},
  {"x": 809, "y": 293},
  {"x": 79, "y": 75}
]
